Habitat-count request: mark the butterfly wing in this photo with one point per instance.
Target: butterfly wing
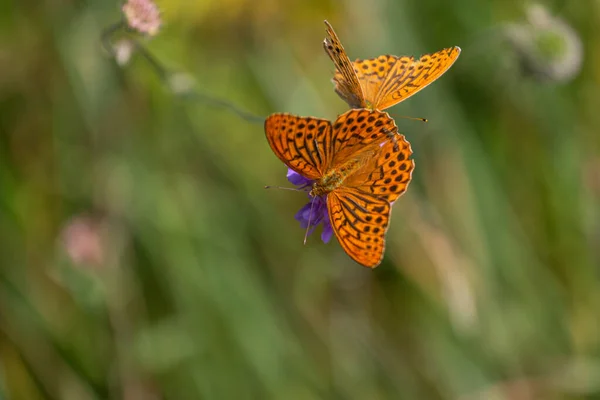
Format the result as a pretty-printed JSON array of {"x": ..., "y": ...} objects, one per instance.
[
  {"x": 302, "y": 143},
  {"x": 360, "y": 221},
  {"x": 388, "y": 174},
  {"x": 372, "y": 74},
  {"x": 346, "y": 81},
  {"x": 388, "y": 80},
  {"x": 359, "y": 133}
]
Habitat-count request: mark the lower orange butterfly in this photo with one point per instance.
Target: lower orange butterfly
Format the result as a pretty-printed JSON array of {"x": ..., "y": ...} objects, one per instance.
[{"x": 355, "y": 170}]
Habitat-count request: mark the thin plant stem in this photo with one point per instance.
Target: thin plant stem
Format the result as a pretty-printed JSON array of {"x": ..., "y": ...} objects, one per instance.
[{"x": 164, "y": 74}]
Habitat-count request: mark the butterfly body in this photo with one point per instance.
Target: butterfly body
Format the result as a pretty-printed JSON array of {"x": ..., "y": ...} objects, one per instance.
[
  {"x": 327, "y": 184},
  {"x": 335, "y": 176},
  {"x": 360, "y": 165}
]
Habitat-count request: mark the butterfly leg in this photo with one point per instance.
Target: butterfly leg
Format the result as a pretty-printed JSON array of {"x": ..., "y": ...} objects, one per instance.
[
  {"x": 394, "y": 136},
  {"x": 320, "y": 154}
]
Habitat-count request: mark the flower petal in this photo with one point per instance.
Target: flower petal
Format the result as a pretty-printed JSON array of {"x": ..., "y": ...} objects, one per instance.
[
  {"x": 303, "y": 214},
  {"x": 327, "y": 231},
  {"x": 315, "y": 213},
  {"x": 297, "y": 179}
]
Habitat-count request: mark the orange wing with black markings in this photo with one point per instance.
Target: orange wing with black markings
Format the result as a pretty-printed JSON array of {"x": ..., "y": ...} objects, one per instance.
[
  {"x": 355, "y": 131},
  {"x": 388, "y": 80},
  {"x": 347, "y": 85},
  {"x": 360, "y": 221},
  {"x": 302, "y": 143},
  {"x": 382, "y": 82},
  {"x": 388, "y": 175}
]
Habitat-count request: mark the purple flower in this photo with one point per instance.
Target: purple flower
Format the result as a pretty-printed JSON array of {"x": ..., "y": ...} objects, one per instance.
[{"x": 316, "y": 209}]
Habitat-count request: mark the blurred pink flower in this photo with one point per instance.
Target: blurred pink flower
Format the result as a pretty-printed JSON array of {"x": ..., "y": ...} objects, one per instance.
[
  {"x": 143, "y": 16},
  {"x": 83, "y": 242}
]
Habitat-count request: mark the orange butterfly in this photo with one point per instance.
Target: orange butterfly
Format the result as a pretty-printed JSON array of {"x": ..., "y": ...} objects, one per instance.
[
  {"x": 358, "y": 167},
  {"x": 382, "y": 82}
]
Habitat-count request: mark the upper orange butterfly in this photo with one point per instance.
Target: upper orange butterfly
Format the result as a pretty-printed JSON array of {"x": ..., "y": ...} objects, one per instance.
[{"x": 382, "y": 82}]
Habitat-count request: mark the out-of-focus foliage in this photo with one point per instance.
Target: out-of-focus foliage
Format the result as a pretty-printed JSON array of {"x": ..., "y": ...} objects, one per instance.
[{"x": 141, "y": 258}]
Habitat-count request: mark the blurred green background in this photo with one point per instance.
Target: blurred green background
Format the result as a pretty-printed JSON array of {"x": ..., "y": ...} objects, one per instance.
[{"x": 141, "y": 258}]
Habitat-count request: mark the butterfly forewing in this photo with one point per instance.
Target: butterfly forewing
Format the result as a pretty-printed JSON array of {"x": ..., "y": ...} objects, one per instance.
[
  {"x": 302, "y": 143},
  {"x": 407, "y": 76},
  {"x": 360, "y": 221},
  {"x": 358, "y": 131},
  {"x": 346, "y": 81}
]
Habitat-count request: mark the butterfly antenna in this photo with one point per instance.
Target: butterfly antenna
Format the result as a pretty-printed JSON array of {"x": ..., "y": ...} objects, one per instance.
[
  {"x": 413, "y": 118},
  {"x": 284, "y": 188},
  {"x": 312, "y": 204}
]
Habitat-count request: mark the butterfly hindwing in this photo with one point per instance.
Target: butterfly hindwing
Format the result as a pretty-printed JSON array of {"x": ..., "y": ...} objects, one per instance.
[
  {"x": 302, "y": 143},
  {"x": 371, "y": 74},
  {"x": 388, "y": 174},
  {"x": 360, "y": 221}
]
